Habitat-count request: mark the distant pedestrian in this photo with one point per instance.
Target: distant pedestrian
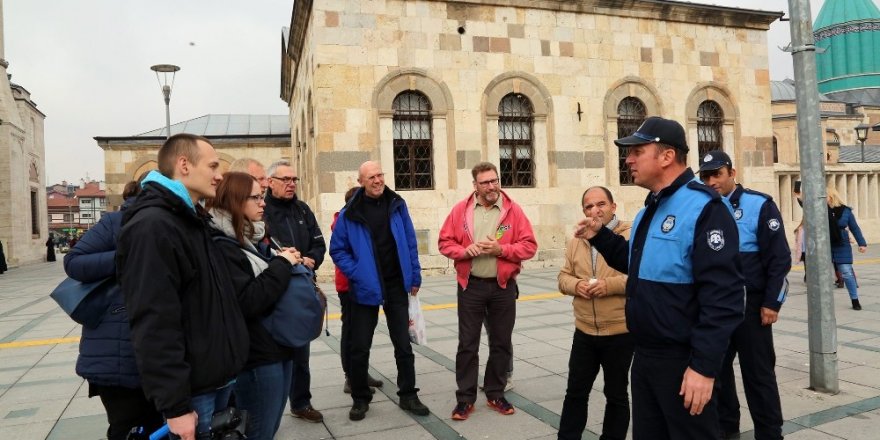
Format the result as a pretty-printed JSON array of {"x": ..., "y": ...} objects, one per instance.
[
  {"x": 3, "y": 266},
  {"x": 488, "y": 236},
  {"x": 841, "y": 249},
  {"x": 50, "y": 247}
]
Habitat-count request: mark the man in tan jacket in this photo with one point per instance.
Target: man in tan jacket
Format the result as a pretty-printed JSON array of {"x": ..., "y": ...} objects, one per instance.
[{"x": 600, "y": 338}]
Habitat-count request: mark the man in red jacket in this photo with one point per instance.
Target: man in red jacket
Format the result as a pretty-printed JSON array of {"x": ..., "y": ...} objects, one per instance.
[{"x": 488, "y": 236}]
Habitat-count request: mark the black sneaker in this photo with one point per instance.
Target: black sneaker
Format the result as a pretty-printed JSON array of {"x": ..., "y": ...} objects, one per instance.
[
  {"x": 414, "y": 405},
  {"x": 856, "y": 305},
  {"x": 358, "y": 411}
]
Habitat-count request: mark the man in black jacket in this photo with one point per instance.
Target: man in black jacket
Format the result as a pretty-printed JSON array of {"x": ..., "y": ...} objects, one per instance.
[
  {"x": 188, "y": 333},
  {"x": 291, "y": 223}
]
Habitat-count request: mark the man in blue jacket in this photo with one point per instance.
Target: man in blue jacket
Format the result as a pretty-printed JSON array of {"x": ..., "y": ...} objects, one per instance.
[
  {"x": 684, "y": 293},
  {"x": 766, "y": 260},
  {"x": 374, "y": 245}
]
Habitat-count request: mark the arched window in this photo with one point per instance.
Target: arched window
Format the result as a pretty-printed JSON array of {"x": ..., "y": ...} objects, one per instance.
[
  {"x": 413, "y": 144},
  {"x": 710, "y": 119},
  {"x": 630, "y": 115},
  {"x": 516, "y": 149},
  {"x": 775, "y": 150},
  {"x": 833, "y": 139}
]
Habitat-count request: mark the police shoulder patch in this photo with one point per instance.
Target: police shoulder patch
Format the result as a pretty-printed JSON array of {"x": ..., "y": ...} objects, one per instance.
[
  {"x": 715, "y": 239},
  {"x": 773, "y": 224},
  {"x": 668, "y": 224}
]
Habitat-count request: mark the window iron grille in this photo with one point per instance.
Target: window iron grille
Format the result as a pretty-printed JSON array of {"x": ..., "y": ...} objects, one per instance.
[
  {"x": 631, "y": 113},
  {"x": 413, "y": 143},
  {"x": 710, "y": 119},
  {"x": 515, "y": 141}
]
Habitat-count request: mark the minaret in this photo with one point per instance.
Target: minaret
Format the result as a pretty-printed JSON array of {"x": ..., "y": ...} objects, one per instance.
[{"x": 8, "y": 109}]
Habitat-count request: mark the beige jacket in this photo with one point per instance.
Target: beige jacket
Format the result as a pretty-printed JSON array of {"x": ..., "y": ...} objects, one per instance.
[{"x": 602, "y": 316}]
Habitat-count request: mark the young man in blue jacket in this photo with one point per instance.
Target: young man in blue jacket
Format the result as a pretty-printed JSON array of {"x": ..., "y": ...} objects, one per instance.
[
  {"x": 374, "y": 245},
  {"x": 766, "y": 260},
  {"x": 684, "y": 293}
]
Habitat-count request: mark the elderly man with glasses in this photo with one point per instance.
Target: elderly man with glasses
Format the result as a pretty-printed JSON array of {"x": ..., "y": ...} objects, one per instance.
[{"x": 291, "y": 223}]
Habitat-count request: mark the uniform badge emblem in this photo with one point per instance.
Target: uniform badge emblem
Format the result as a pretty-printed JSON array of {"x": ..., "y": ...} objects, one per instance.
[
  {"x": 708, "y": 158},
  {"x": 668, "y": 223},
  {"x": 715, "y": 238},
  {"x": 738, "y": 213},
  {"x": 773, "y": 224}
]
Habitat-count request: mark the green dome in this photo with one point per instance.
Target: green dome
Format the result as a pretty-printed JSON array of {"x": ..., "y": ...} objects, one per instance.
[
  {"x": 849, "y": 31},
  {"x": 842, "y": 11}
]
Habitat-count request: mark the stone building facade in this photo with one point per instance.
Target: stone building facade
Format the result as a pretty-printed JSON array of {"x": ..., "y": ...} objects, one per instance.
[
  {"x": 23, "y": 219},
  {"x": 265, "y": 138},
  {"x": 430, "y": 88}
]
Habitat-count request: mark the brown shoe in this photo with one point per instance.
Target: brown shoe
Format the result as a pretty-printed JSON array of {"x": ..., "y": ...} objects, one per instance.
[{"x": 309, "y": 414}]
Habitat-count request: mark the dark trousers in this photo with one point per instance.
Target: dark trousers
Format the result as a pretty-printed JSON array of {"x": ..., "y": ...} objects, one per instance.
[
  {"x": 362, "y": 324},
  {"x": 614, "y": 355},
  {"x": 658, "y": 411},
  {"x": 345, "y": 305},
  {"x": 301, "y": 379},
  {"x": 126, "y": 408},
  {"x": 484, "y": 300},
  {"x": 757, "y": 360}
]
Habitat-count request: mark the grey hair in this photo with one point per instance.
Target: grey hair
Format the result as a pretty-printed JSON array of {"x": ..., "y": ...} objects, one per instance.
[
  {"x": 241, "y": 165},
  {"x": 278, "y": 163}
]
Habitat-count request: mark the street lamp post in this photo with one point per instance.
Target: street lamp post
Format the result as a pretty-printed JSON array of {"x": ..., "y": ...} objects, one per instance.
[
  {"x": 166, "y": 70},
  {"x": 862, "y": 136}
]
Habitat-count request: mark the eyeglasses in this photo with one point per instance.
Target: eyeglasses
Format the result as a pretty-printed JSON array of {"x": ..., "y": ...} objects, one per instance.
[
  {"x": 256, "y": 197},
  {"x": 488, "y": 183},
  {"x": 286, "y": 180}
]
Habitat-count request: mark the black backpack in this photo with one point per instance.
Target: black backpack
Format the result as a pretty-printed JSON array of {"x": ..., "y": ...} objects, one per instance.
[{"x": 834, "y": 215}]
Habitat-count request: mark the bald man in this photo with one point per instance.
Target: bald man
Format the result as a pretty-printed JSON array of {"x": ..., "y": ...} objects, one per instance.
[{"x": 374, "y": 245}]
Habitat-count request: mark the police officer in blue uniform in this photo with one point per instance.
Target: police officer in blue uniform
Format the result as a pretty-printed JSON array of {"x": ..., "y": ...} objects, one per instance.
[
  {"x": 766, "y": 260},
  {"x": 684, "y": 294}
]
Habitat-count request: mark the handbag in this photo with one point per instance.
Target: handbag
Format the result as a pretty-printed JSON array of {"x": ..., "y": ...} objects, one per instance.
[
  {"x": 299, "y": 314},
  {"x": 85, "y": 303}
]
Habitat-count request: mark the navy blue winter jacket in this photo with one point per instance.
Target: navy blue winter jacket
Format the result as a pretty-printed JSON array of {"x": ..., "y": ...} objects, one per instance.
[
  {"x": 353, "y": 252},
  {"x": 106, "y": 356},
  {"x": 842, "y": 253},
  {"x": 685, "y": 290}
]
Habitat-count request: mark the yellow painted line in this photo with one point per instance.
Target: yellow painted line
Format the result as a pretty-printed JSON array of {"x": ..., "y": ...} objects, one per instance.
[
  {"x": 38, "y": 342},
  {"x": 333, "y": 316},
  {"x": 800, "y": 267}
]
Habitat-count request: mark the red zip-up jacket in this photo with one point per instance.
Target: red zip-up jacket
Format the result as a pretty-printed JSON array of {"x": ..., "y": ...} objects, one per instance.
[
  {"x": 517, "y": 239},
  {"x": 341, "y": 280}
]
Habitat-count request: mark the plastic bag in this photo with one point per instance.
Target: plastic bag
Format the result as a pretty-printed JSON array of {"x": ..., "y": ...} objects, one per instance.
[{"x": 417, "y": 333}]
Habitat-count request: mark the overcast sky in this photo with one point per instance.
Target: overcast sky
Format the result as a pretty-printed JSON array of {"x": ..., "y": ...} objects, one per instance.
[{"x": 87, "y": 65}]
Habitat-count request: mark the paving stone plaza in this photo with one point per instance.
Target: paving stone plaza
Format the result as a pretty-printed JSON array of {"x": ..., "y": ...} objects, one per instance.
[{"x": 42, "y": 398}]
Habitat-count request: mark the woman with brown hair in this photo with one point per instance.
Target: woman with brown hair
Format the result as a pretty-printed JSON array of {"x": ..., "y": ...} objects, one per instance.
[
  {"x": 260, "y": 278},
  {"x": 841, "y": 250}
]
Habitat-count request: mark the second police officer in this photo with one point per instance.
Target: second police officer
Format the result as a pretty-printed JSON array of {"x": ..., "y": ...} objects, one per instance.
[{"x": 766, "y": 260}]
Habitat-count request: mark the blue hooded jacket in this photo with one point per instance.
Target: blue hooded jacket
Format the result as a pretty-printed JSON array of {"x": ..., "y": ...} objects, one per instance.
[{"x": 353, "y": 251}]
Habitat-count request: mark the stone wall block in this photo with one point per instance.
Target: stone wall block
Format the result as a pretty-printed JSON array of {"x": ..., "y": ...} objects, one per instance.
[
  {"x": 482, "y": 44},
  {"x": 499, "y": 45}
]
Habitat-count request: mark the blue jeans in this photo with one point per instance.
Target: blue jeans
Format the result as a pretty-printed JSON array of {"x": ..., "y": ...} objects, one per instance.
[
  {"x": 301, "y": 379},
  {"x": 205, "y": 405},
  {"x": 849, "y": 279},
  {"x": 261, "y": 391}
]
